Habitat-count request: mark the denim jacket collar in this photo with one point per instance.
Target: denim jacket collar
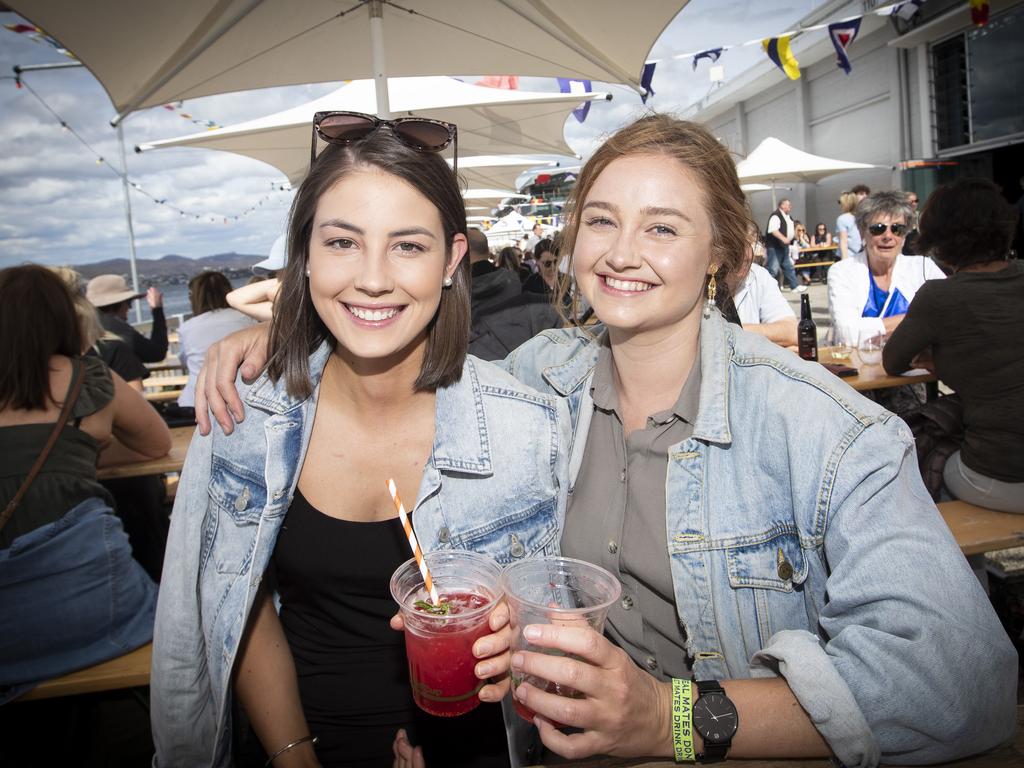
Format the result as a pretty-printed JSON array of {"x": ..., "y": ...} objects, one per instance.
[
  {"x": 716, "y": 350},
  {"x": 460, "y": 444}
]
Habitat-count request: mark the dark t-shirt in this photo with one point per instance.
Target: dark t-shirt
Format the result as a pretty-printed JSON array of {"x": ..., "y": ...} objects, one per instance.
[
  {"x": 973, "y": 322},
  {"x": 120, "y": 359}
]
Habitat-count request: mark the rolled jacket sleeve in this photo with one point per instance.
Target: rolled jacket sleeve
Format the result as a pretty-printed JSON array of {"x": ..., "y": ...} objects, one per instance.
[{"x": 906, "y": 624}]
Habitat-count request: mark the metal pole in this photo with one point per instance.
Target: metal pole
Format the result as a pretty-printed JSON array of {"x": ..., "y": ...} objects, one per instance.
[
  {"x": 128, "y": 221},
  {"x": 380, "y": 77}
]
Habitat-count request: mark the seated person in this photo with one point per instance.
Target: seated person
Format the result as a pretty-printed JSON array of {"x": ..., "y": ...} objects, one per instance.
[
  {"x": 761, "y": 306},
  {"x": 111, "y": 295},
  {"x": 70, "y": 593},
  {"x": 967, "y": 329},
  {"x": 821, "y": 235},
  {"x": 871, "y": 291},
  {"x": 545, "y": 280},
  {"x": 212, "y": 319}
]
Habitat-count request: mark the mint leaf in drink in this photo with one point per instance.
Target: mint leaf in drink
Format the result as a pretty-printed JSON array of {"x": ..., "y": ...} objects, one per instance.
[{"x": 441, "y": 609}]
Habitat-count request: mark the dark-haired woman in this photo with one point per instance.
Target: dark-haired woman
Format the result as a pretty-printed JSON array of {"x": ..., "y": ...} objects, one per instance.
[
  {"x": 967, "y": 329},
  {"x": 212, "y": 319},
  {"x": 545, "y": 280},
  {"x": 368, "y": 379},
  {"x": 70, "y": 593}
]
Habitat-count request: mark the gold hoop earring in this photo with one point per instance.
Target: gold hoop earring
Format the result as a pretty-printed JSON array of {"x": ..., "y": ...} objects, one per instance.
[{"x": 712, "y": 291}]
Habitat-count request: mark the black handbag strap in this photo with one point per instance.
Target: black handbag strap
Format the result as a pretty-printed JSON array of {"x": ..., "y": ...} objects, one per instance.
[{"x": 74, "y": 387}]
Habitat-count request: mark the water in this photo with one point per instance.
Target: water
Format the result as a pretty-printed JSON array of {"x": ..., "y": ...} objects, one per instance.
[{"x": 176, "y": 300}]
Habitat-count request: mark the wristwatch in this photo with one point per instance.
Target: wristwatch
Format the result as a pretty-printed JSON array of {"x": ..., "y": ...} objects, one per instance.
[{"x": 716, "y": 720}]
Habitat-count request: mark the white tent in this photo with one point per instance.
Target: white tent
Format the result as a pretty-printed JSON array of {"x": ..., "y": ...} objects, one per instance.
[
  {"x": 774, "y": 161},
  {"x": 148, "y": 53},
  {"x": 490, "y": 120}
]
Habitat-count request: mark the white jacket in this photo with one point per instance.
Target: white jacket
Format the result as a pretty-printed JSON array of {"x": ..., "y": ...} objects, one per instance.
[{"x": 849, "y": 286}]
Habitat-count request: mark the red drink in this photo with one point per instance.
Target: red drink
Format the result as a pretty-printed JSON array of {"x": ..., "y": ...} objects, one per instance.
[
  {"x": 440, "y": 651},
  {"x": 548, "y": 687}
]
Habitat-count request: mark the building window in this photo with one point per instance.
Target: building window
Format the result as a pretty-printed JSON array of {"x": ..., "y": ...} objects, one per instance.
[{"x": 977, "y": 96}]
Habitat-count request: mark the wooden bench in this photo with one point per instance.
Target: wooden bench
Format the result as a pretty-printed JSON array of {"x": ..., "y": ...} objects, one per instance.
[
  {"x": 978, "y": 530},
  {"x": 126, "y": 671}
]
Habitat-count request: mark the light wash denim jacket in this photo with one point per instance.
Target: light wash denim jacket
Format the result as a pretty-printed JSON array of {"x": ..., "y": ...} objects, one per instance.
[
  {"x": 492, "y": 485},
  {"x": 803, "y": 544}
]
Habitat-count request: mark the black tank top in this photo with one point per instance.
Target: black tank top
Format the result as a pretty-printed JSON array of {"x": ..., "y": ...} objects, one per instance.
[{"x": 333, "y": 578}]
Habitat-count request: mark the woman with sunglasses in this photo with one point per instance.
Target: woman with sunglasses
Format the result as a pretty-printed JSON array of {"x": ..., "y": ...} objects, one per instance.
[
  {"x": 768, "y": 526},
  {"x": 545, "y": 280},
  {"x": 871, "y": 290},
  {"x": 368, "y": 379}
]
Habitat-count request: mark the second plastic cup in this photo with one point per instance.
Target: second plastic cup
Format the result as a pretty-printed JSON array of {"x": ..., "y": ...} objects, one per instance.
[
  {"x": 440, "y": 646},
  {"x": 554, "y": 590}
]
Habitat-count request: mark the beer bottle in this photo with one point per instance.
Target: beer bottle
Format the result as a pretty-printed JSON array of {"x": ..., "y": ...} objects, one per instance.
[{"x": 807, "y": 331}]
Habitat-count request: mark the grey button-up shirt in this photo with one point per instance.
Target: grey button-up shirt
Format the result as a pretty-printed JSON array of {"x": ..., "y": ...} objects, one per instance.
[{"x": 622, "y": 472}]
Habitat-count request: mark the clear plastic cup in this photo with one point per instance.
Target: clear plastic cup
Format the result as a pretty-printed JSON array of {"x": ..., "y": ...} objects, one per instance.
[
  {"x": 440, "y": 647},
  {"x": 554, "y": 590}
]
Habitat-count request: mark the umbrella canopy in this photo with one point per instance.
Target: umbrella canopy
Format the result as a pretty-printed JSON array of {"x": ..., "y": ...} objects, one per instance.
[
  {"x": 147, "y": 53},
  {"x": 773, "y": 160},
  {"x": 490, "y": 121}
]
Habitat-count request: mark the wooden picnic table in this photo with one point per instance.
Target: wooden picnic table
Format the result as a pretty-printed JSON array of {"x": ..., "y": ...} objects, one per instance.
[
  {"x": 172, "y": 462},
  {"x": 874, "y": 376},
  {"x": 162, "y": 395},
  {"x": 175, "y": 381},
  {"x": 1011, "y": 753},
  {"x": 169, "y": 363},
  {"x": 126, "y": 671}
]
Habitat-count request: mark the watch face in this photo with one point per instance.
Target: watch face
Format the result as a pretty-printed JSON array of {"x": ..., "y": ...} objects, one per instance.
[{"x": 715, "y": 719}]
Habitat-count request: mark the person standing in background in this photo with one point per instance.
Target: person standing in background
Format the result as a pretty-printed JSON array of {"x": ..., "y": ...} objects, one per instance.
[
  {"x": 111, "y": 295},
  {"x": 910, "y": 246},
  {"x": 778, "y": 235}
]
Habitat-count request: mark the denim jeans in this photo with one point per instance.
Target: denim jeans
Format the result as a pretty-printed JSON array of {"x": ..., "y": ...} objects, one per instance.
[
  {"x": 70, "y": 596},
  {"x": 778, "y": 259}
]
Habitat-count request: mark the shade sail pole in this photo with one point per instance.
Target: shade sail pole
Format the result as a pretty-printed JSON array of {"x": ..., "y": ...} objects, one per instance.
[
  {"x": 128, "y": 221},
  {"x": 380, "y": 77}
]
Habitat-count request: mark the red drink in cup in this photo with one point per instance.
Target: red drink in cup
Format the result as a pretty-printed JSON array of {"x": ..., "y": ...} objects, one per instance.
[{"x": 439, "y": 639}]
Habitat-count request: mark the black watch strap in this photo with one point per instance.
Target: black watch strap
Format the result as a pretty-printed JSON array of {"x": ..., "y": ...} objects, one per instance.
[{"x": 713, "y": 753}]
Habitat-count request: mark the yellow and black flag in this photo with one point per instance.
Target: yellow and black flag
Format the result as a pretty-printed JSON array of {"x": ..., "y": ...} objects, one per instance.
[{"x": 778, "y": 51}]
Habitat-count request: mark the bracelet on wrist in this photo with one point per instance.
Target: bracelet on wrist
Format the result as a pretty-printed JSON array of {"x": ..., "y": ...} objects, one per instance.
[
  {"x": 313, "y": 739},
  {"x": 682, "y": 725}
]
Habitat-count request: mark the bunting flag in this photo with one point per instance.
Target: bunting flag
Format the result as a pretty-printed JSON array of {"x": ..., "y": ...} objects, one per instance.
[
  {"x": 39, "y": 36},
  {"x": 506, "y": 82},
  {"x": 979, "y": 12},
  {"x": 177, "y": 107},
  {"x": 842, "y": 34},
  {"x": 568, "y": 85},
  {"x": 908, "y": 10},
  {"x": 712, "y": 53},
  {"x": 645, "y": 81},
  {"x": 778, "y": 51}
]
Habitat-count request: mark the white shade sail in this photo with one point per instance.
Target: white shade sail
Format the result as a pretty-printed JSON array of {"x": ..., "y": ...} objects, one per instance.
[
  {"x": 149, "y": 53},
  {"x": 490, "y": 121},
  {"x": 774, "y": 160}
]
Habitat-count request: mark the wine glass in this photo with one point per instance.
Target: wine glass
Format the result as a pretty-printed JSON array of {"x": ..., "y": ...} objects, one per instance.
[
  {"x": 840, "y": 342},
  {"x": 869, "y": 346}
]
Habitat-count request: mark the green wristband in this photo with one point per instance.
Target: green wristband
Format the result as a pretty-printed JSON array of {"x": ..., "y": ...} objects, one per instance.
[{"x": 682, "y": 730}]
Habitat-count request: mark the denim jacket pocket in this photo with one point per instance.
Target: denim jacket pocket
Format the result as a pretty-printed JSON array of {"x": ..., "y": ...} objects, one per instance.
[
  {"x": 773, "y": 561},
  {"x": 509, "y": 537},
  {"x": 237, "y": 500}
]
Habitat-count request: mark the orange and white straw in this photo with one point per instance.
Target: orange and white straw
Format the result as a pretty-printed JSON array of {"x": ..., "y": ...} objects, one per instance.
[{"x": 415, "y": 545}]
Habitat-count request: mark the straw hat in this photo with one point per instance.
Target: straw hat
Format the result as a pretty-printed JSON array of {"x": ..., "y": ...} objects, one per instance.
[{"x": 104, "y": 290}]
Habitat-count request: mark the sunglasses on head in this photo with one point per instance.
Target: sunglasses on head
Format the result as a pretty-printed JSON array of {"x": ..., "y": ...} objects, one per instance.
[
  {"x": 879, "y": 229},
  {"x": 420, "y": 133}
]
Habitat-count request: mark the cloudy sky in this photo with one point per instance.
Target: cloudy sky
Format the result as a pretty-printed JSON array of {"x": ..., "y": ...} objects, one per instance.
[{"x": 59, "y": 205}]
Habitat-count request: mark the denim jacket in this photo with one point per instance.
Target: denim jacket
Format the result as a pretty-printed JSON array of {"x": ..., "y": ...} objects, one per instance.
[
  {"x": 803, "y": 543},
  {"x": 492, "y": 485}
]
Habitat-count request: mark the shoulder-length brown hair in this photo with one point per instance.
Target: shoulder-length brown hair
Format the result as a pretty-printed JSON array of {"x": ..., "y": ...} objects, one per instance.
[
  {"x": 208, "y": 291},
  {"x": 297, "y": 330},
  {"x": 712, "y": 165},
  {"x": 37, "y": 321},
  {"x": 967, "y": 222}
]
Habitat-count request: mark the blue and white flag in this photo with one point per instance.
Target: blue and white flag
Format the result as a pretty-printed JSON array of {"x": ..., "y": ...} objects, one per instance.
[
  {"x": 908, "y": 10},
  {"x": 842, "y": 34},
  {"x": 568, "y": 85},
  {"x": 711, "y": 53},
  {"x": 645, "y": 81}
]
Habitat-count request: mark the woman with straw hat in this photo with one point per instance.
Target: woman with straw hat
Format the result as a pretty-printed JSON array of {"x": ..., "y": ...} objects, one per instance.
[
  {"x": 368, "y": 380},
  {"x": 789, "y": 589}
]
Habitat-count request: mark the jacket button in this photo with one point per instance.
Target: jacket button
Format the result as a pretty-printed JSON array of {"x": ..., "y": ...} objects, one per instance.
[
  {"x": 517, "y": 549},
  {"x": 651, "y": 663},
  {"x": 627, "y": 603},
  {"x": 785, "y": 571},
  {"x": 444, "y": 535},
  {"x": 241, "y": 503},
  {"x": 613, "y": 547}
]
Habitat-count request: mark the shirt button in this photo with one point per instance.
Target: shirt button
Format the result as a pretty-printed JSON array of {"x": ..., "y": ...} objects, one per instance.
[
  {"x": 651, "y": 663},
  {"x": 613, "y": 547},
  {"x": 444, "y": 535},
  {"x": 627, "y": 603},
  {"x": 622, "y": 476}
]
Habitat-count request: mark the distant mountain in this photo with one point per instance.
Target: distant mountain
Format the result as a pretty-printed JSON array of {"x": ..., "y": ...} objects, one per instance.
[{"x": 169, "y": 265}]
